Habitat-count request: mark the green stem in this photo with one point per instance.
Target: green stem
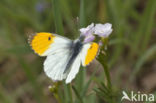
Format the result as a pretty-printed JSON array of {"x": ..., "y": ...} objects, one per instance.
[
  {"x": 68, "y": 93},
  {"x": 108, "y": 78},
  {"x": 82, "y": 13},
  {"x": 57, "y": 17},
  {"x": 107, "y": 74},
  {"x": 103, "y": 60},
  {"x": 69, "y": 87}
]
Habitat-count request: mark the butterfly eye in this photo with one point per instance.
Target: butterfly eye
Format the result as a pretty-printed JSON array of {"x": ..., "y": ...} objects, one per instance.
[{"x": 49, "y": 38}]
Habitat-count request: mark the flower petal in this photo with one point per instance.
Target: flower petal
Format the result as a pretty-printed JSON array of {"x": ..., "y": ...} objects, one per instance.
[
  {"x": 103, "y": 30},
  {"x": 89, "y": 39},
  {"x": 89, "y": 30}
]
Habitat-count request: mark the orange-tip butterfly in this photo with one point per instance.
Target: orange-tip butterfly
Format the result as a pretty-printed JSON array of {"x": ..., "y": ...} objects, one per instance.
[{"x": 64, "y": 56}]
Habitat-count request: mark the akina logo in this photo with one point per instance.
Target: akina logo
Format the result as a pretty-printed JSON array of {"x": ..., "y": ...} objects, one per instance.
[{"x": 138, "y": 97}]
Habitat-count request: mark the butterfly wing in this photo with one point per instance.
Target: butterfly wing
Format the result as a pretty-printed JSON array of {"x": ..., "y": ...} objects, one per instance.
[
  {"x": 47, "y": 43},
  {"x": 87, "y": 54},
  {"x": 58, "y": 52},
  {"x": 74, "y": 69},
  {"x": 55, "y": 65}
]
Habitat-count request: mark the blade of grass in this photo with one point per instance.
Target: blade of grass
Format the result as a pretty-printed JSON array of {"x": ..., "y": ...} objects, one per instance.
[
  {"x": 82, "y": 13},
  {"x": 68, "y": 93},
  {"x": 62, "y": 98},
  {"x": 57, "y": 17},
  {"x": 77, "y": 94},
  {"x": 84, "y": 90},
  {"x": 139, "y": 63},
  {"x": 145, "y": 27},
  {"x": 149, "y": 25},
  {"x": 66, "y": 11}
]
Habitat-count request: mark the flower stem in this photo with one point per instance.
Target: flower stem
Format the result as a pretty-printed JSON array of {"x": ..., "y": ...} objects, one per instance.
[
  {"x": 103, "y": 60},
  {"x": 107, "y": 74}
]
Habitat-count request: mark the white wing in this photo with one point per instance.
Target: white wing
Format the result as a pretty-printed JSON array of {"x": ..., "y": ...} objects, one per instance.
[
  {"x": 60, "y": 43},
  {"x": 55, "y": 65},
  {"x": 84, "y": 53},
  {"x": 74, "y": 69}
]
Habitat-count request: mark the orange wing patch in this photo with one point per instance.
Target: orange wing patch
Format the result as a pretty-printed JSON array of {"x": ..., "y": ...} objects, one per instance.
[
  {"x": 41, "y": 42},
  {"x": 91, "y": 53}
]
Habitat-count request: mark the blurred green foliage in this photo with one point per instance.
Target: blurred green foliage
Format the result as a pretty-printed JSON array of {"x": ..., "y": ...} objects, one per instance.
[{"x": 131, "y": 45}]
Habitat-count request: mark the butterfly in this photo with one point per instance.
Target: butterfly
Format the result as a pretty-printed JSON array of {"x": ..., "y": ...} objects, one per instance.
[{"x": 63, "y": 56}]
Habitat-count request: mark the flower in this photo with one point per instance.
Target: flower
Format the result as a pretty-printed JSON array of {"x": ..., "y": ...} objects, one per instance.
[
  {"x": 88, "y": 30},
  {"x": 88, "y": 33},
  {"x": 103, "y": 30},
  {"x": 89, "y": 38}
]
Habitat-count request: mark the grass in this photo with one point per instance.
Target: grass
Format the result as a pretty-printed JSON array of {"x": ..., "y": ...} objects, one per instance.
[{"x": 130, "y": 46}]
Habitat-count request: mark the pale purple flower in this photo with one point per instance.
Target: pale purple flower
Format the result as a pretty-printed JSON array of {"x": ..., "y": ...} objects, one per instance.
[
  {"x": 89, "y": 30},
  {"x": 89, "y": 38},
  {"x": 103, "y": 30},
  {"x": 88, "y": 33}
]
